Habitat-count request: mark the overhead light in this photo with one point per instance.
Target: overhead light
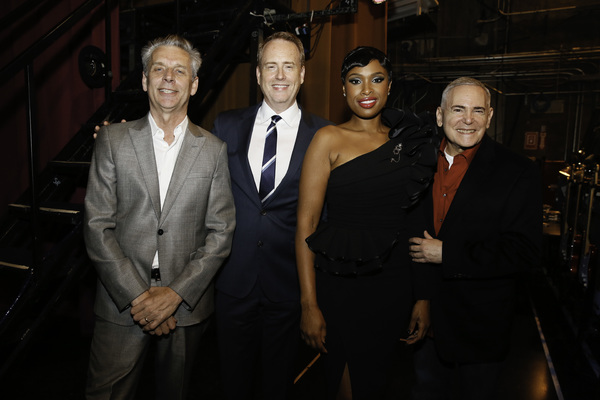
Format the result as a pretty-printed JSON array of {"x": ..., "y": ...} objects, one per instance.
[{"x": 378, "y": 1}]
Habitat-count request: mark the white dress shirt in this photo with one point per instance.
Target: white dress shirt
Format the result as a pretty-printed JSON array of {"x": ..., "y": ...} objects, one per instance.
[
  {"x": 166, "y": 157},
  {"x": 287, "y": 131}
]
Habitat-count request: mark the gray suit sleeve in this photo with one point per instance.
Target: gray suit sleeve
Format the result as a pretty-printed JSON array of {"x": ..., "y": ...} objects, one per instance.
[{"x": 116, "y": 272}]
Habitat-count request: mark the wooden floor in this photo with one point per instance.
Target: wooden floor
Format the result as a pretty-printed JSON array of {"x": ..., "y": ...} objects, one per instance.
[{"x": 549, "y": 359}]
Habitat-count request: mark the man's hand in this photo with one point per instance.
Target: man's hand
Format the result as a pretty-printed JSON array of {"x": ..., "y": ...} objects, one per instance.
[
  {"x": 154, "y": 307},
  {"x": 425, "y": 249},
  {"x": 140, "y": 298},
  {"x": 104, "y": 123},
  {"x": 166, "y": 327},
  {"x": 419, "y": 322}
]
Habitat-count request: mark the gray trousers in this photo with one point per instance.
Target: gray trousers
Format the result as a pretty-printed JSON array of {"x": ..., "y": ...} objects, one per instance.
[{"x": 117, "y": 358}]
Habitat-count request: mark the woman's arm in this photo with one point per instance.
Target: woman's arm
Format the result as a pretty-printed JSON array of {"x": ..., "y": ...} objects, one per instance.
[{"x": 313, "y": 185}]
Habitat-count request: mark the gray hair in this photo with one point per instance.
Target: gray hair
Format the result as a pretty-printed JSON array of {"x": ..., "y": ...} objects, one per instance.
[
  {"x": 171, "y": 40},
  {"x": 282, "y": 36},
  {"x": 465, "y": 81}
]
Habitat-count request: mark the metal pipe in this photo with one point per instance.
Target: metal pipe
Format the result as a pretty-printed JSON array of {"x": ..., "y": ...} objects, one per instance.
[
  {"x": 38, "y": 47},
  {"x": 578, "y": 53},
  {"x": 567, "y": 130},
  {"x": 178, "y": 17},
  {"x": 574, "y": 138},
  {"x": 508, "y": 14},
  {"x": 108, "y": 49},
  {"x": 32, "y": 144}
]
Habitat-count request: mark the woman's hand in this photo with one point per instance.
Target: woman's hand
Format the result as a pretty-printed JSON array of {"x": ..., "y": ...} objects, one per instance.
[
  {"x": 419, "y": 322},
  {"x": 313, "y": 329}
]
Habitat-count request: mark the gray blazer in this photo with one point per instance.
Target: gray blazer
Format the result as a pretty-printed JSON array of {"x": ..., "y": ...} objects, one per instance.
[{"x": 124, "y": 224}]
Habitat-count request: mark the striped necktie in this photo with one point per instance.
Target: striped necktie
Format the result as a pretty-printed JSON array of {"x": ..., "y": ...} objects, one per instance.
[{"x": 267, "y": 173}]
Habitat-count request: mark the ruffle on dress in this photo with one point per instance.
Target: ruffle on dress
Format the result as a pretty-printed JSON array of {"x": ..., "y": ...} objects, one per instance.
[
  {"x": 343, "y": 251},
  {"x": 417, "y": 149}
]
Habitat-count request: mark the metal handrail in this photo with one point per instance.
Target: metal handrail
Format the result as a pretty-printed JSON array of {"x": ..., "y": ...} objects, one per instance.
[
  {"x": 18, "y": 11},
  {"x": 42, "y": 44},
  {"x": 24, "y": 62}
]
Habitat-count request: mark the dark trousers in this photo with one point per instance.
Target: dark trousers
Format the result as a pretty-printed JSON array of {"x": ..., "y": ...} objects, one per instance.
[
  {"x": 438, "y": 380},
  {"x": 258, "y": 341}
]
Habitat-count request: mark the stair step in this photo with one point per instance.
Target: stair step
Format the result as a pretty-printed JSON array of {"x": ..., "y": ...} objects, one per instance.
[
  {"x": 66, "y": 212},
  {"x": 70, "y": 165},
  {"x": 14, "y": 259},
  {"x": 12, "y": 265}
]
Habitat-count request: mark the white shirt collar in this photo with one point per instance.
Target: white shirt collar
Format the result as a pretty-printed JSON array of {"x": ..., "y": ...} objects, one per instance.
[
  {"x": 289, "y": 116},
  {"x": 158, "y": 132}
]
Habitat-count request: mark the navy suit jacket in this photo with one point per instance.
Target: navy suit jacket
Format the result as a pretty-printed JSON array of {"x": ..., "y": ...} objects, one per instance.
[
  {"x": 263, "y": 242},
  {"x": 492, "y": 231}
]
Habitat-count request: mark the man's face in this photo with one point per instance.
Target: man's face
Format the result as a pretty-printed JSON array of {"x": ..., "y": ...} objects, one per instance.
[
  {"x": 169, "y": 82},
  {"x": 465, "y": 117},
  {"x": 280, "y": 74}
]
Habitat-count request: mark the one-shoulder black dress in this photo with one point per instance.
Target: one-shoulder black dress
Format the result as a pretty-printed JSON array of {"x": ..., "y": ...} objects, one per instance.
[{"x": 366, "y": 284}]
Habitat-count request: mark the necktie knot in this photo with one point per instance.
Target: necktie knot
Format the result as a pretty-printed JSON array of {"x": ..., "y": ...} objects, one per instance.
[{"x": 274, "y": 119}]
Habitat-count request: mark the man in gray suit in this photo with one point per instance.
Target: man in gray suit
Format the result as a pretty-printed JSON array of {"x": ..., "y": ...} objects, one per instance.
[{"x": 159, "y": 223}]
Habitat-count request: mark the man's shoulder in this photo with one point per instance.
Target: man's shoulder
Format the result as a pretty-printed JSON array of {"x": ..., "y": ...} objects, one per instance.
[
  {"x": 231, "y": 115},
  {"x": 136, "y": 124},
  {"x": 510, "y": 153},
  {"x": 507, "y": 158},
  {"x": 119, "y": 131},
  {"x": 313, "y": 121},
  {"x": 198, "y": 132}
]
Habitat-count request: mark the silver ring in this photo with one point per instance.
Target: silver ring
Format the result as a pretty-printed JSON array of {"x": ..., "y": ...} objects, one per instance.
[{"x": 146, "y": 318}]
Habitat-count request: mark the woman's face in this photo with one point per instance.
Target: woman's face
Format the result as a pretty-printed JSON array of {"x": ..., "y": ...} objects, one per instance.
[{"x": 366, "y": 89}]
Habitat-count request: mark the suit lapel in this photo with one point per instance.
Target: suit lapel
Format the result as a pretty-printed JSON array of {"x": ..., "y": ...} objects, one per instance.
[
  {"x": 302, "y": 141},
  {"x": 238, "y": 163},
  {"x": 188, "y": 153},
  {"x": 477, "y": 175},
  {"x": 141, "y": 137}
]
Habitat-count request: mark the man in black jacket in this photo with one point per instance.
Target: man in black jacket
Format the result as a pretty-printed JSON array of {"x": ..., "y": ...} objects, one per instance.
[{"x": 485, "y": 225}]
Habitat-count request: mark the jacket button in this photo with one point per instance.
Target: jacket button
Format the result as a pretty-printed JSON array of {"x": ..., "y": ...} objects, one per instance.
[
  {"x": 260, "y": 243},
  {"x": 160, "y": 232},
  {"x": 263, "y": 212}
]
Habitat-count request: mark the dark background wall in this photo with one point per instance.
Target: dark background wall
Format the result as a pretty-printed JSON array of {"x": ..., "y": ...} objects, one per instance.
[
  {"x": 540, "y": 59},
  {"x": 63, "y": 102}
]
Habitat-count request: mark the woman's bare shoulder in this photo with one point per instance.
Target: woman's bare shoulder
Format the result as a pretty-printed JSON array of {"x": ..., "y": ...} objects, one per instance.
[{"x": 331, "y": 133}]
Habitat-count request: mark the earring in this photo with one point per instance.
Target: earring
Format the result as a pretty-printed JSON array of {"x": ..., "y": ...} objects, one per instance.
[{"x": 344, "y": 94}]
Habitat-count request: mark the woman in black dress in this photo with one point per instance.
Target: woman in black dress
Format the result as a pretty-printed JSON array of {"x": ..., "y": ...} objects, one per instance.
[{"x": 358, "y": 284}]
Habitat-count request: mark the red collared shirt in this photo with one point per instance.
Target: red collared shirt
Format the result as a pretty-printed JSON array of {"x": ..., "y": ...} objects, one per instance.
[{"x": 447, "y": 180}]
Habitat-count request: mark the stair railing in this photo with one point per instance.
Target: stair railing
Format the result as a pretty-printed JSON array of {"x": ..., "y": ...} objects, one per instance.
[{"x": 24, "y": 62}]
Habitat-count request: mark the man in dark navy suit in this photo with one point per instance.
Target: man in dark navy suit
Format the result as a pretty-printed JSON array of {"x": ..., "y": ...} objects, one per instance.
[
  {"x": 258, "y": 299},
  {"x": 485, "y": 225}
]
